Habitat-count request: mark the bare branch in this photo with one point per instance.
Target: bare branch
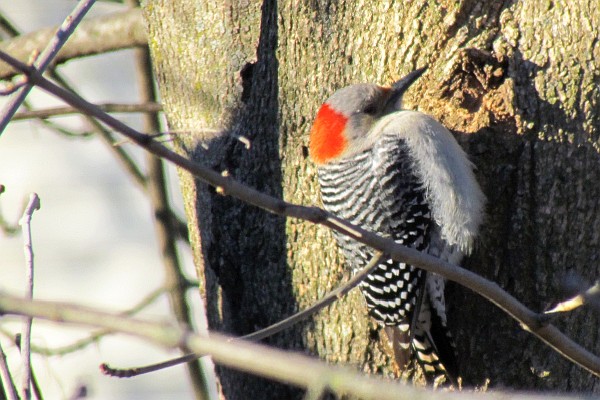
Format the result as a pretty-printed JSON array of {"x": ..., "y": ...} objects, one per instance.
[
  {"x": 283, "y": 366},
  {"x": 25, "y": 222},
  {"x": 529, "y": 320},
  {"x": 37, "y": 390},
  {"x": 136, "y": 371},
  {"x": 7, "y": 26},
  {"x": 119, "y": 152},
  {"x": 108, "y": 138},
  {"x": 590, "y": 295},
  {"x": 42, "y": 62},
  {"x": 106, "y": 107},
  {"x": 263, "y": 333},
  {"x": 319, "y": 305},
  {"x": 94, "y": 337},
  {"x": 66, "y": 132},
  {"x": 93, "y": 36},
  {"x": 9, "y": 384}
]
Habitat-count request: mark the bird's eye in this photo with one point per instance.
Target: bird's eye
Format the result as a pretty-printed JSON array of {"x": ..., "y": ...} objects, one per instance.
[{"x": 370, "y": 109}]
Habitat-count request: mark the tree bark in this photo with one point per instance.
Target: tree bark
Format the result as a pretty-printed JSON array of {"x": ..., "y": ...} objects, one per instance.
[{"x": 515, "y": 81}]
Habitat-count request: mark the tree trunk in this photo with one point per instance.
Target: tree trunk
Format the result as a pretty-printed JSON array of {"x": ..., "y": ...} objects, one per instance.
[{"x": 514, "y": 80}]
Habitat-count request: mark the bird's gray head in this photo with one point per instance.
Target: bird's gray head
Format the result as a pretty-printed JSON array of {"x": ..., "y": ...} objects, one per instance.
[{"x": 344, "y": 121}]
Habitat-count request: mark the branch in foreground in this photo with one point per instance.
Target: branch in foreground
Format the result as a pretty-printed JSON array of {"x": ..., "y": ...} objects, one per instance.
[
  {"x": 283, "y": 366},
  {"x": 95, "y": 336},
  {"x": 261, "y": 334},
  {"x": 529, "y": 320}
]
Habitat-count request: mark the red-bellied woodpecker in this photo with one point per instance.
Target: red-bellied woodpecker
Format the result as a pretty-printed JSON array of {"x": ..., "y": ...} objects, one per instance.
[{"x": 400, "y": 174}]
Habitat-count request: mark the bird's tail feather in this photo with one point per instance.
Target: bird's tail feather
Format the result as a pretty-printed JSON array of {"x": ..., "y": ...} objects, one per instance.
[
  {"x": 399, "y": 343},
  {"x": 436, "y": 358},
  {"x": 432, "y": 348}
]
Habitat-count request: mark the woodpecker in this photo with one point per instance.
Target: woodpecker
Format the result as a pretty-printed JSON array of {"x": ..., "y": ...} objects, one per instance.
[{"x": 400, "y": 174}]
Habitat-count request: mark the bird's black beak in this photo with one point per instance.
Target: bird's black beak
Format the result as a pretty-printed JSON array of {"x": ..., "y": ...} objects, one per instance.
[{"x": 399, "y": 87}]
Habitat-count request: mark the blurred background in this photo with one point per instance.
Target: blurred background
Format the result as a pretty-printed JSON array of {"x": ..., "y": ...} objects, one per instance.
[{"x": 93, "y": 237}]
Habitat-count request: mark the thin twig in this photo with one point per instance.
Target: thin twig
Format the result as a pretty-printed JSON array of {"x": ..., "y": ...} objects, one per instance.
[
  {"x": 25, "y": 222},
  {"x": 7, "y": 25},
  {"x": 9, "y": 384},
  {"x": 121, "y": 154},
  {"x": 46, "y": 57},
  {"x": 590, "y": 295},
  {"x": 65, "y": 132},
  {"x": 94, "y": 35},
  {"x": 136, "y": 371},
  {"x": 107, "y": 137},
  {"x": 11, "y": 229},
  {"x": 34, "y": 382},
  {"x": 283, "y": 366},
  {"x": 533, "y": 322},
  {"x": 106, "y": 107},
  {"x": 37, "y": 390},
  {"x": 324, "y": 302},
  {"x": 13, "y": 32},
  {"x": 260, "y": 334}
]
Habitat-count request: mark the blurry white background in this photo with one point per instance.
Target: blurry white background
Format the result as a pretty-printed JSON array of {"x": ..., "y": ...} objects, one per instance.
[{"x": 93, "y": 237}]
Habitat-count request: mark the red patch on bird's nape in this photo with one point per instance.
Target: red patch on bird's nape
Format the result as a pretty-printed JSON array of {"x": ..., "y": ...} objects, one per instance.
[{"x": 327, "y": 139}]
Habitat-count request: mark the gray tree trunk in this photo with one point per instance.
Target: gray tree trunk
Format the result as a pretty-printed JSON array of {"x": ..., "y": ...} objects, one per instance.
[{"x": 516, "y": 81}]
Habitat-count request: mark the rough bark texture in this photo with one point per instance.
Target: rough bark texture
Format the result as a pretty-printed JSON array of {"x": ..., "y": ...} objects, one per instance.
[
  {"x": 516, "y": 81},
  {"x": 536, "y": 150}
]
